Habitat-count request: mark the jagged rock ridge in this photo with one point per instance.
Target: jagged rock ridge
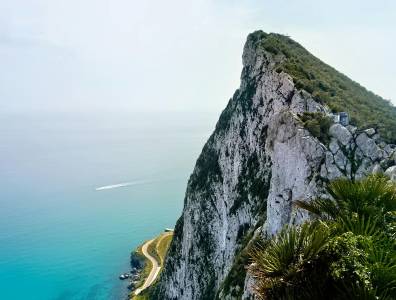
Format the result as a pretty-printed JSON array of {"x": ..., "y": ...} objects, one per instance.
[{"x": 259, "y": 160}]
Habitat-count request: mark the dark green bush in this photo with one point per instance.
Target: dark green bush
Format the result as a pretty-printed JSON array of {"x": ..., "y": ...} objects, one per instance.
[
  {"x": 347, "y": 252},
  {"x": 318, "y": 124},
  {"x": 330, "y": 86}
]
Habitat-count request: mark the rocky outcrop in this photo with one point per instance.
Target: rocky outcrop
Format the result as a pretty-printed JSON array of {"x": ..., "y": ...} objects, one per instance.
[
  {"x": 258, "y": 161},
  {"x": 137, "y": 260},
  {"x": 391, "y": 172}
]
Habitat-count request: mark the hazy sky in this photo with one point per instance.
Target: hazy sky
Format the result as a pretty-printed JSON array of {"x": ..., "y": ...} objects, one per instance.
[{"x": 175, "y": 55}]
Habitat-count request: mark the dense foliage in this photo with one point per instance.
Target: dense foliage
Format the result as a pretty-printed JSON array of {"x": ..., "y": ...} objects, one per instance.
[
  {"x": 318, "y": 124},
  {"x": 329, "y": 86},
  {"x": 347, "y": 252}
]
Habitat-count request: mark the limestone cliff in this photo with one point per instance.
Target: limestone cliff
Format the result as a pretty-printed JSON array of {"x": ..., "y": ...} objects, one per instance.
[{"x": 260, "y": 158}]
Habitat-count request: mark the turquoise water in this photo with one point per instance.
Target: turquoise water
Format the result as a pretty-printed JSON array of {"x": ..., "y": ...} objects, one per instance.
[{"x": 60, "y": 238}]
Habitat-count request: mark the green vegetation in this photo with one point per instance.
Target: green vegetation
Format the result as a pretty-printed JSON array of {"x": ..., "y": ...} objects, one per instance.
[
  {"x": 252, "y": 183},
  {"x": 234, "y": 282},
  {"x": 328, "y": 86},
  {"x": 142, "y": 296},
  {"x": 224, "y": 121},
  {"x": 285, "y": 265},
  {"x": 163, "y": 246},
  {"x": 207, "y": 168},
  {"x": 146, "y": 268},
  {"x": 158, "y": 249},
  {"x": 347, "y": 252},
  {"x": 318, "y": 124}
]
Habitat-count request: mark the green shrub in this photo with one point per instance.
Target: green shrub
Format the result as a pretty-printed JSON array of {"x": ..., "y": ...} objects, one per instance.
[
  {"x": 329, "y": 86},
  {"x": 287, "y": 266},
  {"x": 347, "y": 252},
  {"x": 318, "y": 124}
]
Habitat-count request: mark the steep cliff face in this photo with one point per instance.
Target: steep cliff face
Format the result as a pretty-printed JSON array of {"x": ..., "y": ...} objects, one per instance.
[{"x": 259, "y": 160}]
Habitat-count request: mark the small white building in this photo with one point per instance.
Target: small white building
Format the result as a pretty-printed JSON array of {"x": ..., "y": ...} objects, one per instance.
[{"x": 342, "y": 118}]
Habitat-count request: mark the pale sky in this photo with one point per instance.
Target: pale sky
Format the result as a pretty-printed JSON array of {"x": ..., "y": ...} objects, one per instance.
[{"x": 161, "y": 55}]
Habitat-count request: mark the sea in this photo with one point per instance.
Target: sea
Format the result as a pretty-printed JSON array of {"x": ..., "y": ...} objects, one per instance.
[{"x": 80, "y": 190}]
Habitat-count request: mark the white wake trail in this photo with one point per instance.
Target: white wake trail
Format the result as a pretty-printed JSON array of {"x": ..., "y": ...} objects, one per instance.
[{"x": 118, "y": 185}]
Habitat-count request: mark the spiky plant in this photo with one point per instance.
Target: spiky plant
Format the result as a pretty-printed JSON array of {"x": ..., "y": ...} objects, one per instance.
[
  {"x": 347, "y": 252},
  {"x": 364, "y": 209},
  {"x": 282, "y": 264},
  {"x": 372, "y": 197}
]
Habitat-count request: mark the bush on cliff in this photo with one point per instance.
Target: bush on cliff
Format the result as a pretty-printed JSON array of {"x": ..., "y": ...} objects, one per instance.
[
  {"x": 347, "y": 252},
  {"x": 328, "y": 86},
  {"x": 318, "y": 124}
]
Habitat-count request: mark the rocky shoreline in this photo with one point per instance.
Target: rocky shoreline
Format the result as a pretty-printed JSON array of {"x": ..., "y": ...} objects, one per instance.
[
  {"x": 142, "y": 267},
  {"x": 137, "y": 262},
  {"x": 134, "y": 275}
]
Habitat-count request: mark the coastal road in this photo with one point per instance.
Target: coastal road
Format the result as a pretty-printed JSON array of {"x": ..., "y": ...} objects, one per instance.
[
  {"x": 156, "y": 265},
  {"x": 154, "y": 270}
]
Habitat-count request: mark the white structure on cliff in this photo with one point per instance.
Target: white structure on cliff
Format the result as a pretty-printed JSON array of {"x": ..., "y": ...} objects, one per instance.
[{"x": 342, "y": 118}]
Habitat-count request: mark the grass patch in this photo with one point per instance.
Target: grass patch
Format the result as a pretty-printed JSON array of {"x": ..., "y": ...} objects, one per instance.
[
  {"x": 157, "y": 249},
  {"x": 142, "y": 296},
  {"x": 147, "y": 266},
  {"x": 163, "y": 246},
  {"x": 152, "y": 249}
]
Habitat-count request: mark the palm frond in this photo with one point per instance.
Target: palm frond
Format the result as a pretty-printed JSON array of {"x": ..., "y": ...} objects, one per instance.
[
  {"x": 284, "y": 257},
  {"x": 361, "y": 225},
  {"x": 322, "y": 208},
  {"x": 353, "y": 234}
]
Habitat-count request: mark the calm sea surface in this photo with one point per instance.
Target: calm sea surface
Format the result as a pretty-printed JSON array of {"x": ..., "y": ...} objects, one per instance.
[{"x": 60, "y": 238}]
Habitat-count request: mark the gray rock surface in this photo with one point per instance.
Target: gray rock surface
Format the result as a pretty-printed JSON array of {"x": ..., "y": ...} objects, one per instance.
[
  {"x": 391, "y": 172},
  {"x": 369, "y": 147},
  {"x": 341, "y": 133},
  {"x": 259, "y": 160},
  {"x": 370, "y": 132},
  {"x": 377, "y": 169}
]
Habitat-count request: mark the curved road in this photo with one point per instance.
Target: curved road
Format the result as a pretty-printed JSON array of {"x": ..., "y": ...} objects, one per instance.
[
  {"x": 156, "y": 265},
  {"x": 154, "y": 270}
]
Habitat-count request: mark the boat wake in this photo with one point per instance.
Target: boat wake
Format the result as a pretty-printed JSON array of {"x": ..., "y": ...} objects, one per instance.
[{"x": 119, "y": 185}]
